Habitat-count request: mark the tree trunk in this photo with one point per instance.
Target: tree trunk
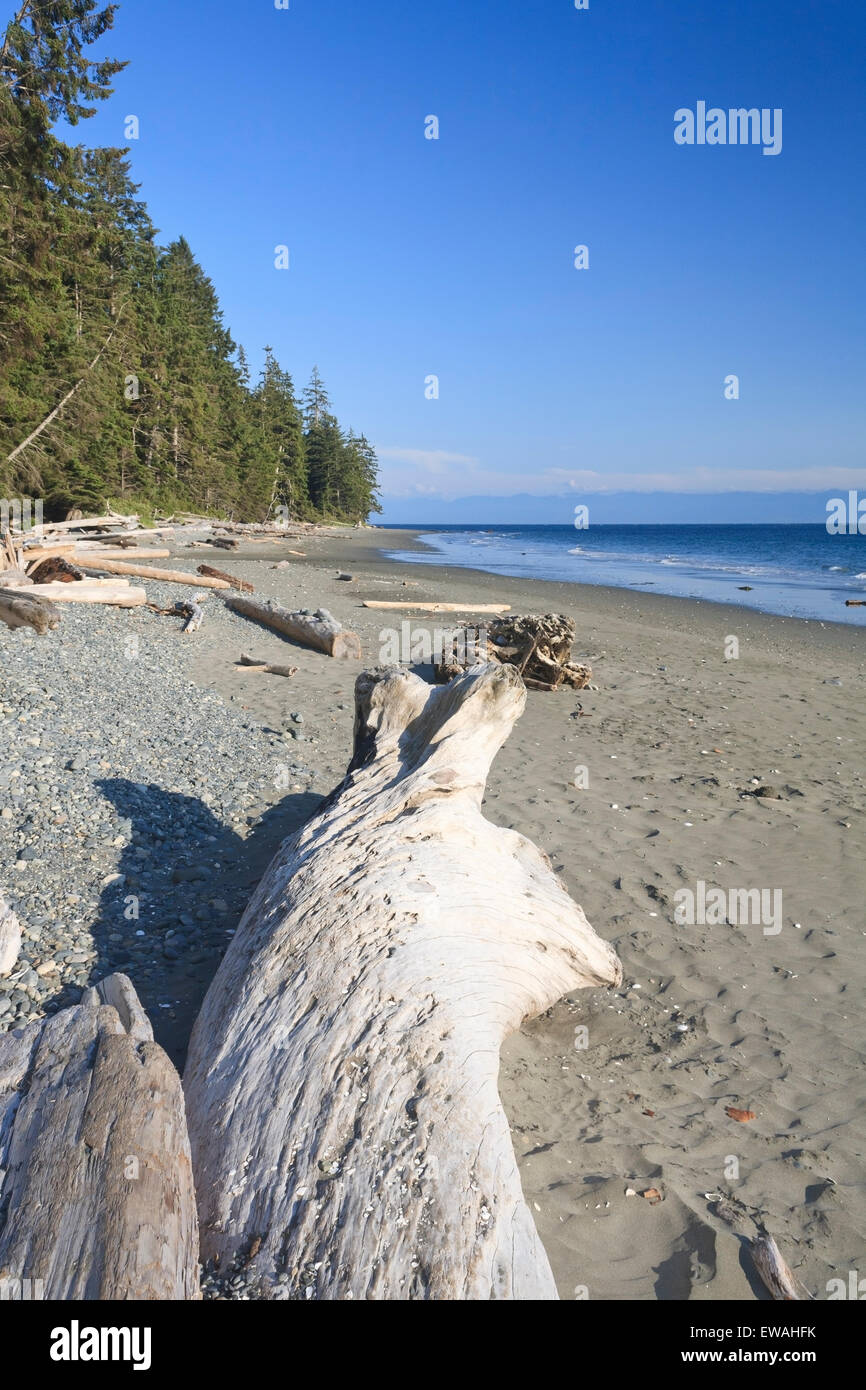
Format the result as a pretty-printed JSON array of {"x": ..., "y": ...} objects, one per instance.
[
  {"x": 96, "y": 1194},
  {"x": 320, "y": 629},
  {"x": 346, "y": 1127}
]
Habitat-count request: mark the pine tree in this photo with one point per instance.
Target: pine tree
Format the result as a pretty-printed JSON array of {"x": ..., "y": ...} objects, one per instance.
[{"x": 118, "y": 377}]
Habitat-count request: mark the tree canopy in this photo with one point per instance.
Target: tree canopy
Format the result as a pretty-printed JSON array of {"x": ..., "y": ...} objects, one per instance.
[{"x": 119, "y": 380}]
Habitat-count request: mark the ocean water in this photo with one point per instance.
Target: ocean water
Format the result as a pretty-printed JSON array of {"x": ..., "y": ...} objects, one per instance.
[{"x": 799, "y": 570}]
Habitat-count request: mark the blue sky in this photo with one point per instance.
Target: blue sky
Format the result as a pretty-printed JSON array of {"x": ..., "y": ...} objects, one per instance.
[{"x": 411, "y": 257}]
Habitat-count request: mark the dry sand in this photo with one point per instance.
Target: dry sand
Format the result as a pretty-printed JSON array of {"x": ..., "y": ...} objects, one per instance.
[{"x": 709, "y": 1016}]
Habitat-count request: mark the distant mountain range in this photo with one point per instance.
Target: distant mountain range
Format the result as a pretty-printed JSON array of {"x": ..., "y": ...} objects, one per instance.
[{"x": 626, "y": 508}]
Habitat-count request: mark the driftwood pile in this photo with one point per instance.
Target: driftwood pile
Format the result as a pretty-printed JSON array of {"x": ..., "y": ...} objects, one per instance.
[
  {"x": 74, "y": 561},
  {"x": 341, "y": 1092},
  {"x": 539, "y": 646}
]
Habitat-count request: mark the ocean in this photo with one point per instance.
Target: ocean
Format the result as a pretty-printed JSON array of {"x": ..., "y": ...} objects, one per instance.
[{"x": 799, "y": 571}]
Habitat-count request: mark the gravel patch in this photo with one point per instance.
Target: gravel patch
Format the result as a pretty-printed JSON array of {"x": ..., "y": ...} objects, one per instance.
[{"x": 137, "y": 810}]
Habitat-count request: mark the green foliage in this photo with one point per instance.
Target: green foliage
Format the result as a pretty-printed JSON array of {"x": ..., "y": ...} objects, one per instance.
[{"x": 157, "y": 411}]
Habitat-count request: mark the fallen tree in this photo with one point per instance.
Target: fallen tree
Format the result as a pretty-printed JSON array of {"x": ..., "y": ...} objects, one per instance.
[
  {"x": 319, "y": 630},
  {"x": 347, "y": 1133},
  {"x": 96, "y": 1194}
]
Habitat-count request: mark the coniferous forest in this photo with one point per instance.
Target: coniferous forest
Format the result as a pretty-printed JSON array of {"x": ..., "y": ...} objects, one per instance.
[{"x": 120, "y": 384}]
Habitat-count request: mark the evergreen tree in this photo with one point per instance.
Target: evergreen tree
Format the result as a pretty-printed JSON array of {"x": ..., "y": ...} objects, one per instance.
[{"x": 119, "y": 380}]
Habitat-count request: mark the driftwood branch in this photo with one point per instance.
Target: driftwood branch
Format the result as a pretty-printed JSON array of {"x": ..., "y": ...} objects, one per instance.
[
  {"x": 779, "y": 1278},
  {"x": 342, "y": 1080},
  {"x": 252, "y": 664},
  {"x": 96, "y": 1194},
  {"x": 241, "y": 584}
]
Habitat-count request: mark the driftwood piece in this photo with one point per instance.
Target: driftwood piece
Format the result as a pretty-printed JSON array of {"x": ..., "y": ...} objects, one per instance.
[
  {"x": 149, "y": 572},
  {"x": 96, "y": 1193},
  {"x": 268, "y": 667},
  {"x": 241, "y": 584},
  {"x": 84, "y": 523},
  {"x": 97, "y": 555},
  {"x": 14, "y": 578},
  {"x": 855, "y": 603},
  {"x": 117, "y": 593},
  {"x": 23, "y": 608},
  {"x": 341, "y": 1084},
  {"x": 33, "y": 553},
  {"x": 193, "y": 612},
  {"x": 10, "y": 939},
  {"x": 320, "y": 629},
  {"x": 439, "y": 607},
  {"x": 781, "y": 1281},
  {"x": 55, "y": 567},
  {"x": 538, "y": 645}
]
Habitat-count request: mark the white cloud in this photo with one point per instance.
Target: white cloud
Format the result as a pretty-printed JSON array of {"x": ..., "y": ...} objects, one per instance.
[{"x": 445, "y": 476}]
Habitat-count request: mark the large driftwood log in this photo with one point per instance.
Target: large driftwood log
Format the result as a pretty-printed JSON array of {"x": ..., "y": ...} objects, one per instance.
[
  {"x": 96, "y": 1193},
  {"x": 10, "y": 939},
  {"x": 320, "y": 629},
  {"x": 21, "y": 608},
  {"x": 342, "y": 1099},
  {"x": 97, "y": 564}
]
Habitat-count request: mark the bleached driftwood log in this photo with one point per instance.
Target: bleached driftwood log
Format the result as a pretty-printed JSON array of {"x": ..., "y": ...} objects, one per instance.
[
  {"x": 439, "y": 607},
  {"x": 320, "y": 629},
  {"x": 21, "y": 608},
  {"x": 341, "y": 1084},
  {"x": 96, "y": 1194},
  {"x": 10, "y": 939},
  {"x": 97, "y": 564},
  {"x": 118, "y": 593}
]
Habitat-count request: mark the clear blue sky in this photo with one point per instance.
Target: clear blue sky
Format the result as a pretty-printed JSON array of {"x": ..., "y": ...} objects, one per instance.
[{"x": 454, "y": 257}]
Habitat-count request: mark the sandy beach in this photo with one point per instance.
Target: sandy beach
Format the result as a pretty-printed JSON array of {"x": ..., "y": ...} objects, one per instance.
[
  {"x": 687, "y": 775},
  {"x": 758, "y": 1016}
]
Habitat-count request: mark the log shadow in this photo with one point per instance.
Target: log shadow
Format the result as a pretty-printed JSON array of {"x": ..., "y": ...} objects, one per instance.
[{"x": 167, "y": 919}]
